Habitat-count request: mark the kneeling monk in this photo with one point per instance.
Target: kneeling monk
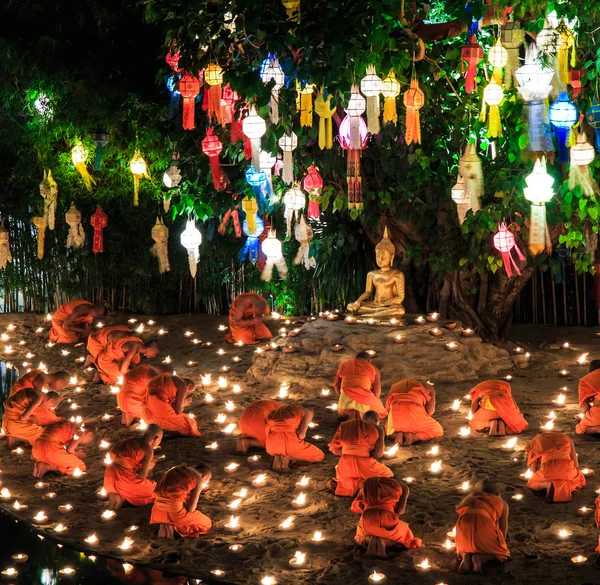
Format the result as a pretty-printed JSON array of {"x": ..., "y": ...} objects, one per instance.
[
  {"x": 359, "y": 443},
  {"x": 126, "y": 477},
  {"x": 589, "y": 389},
  {"x": 481, "y": 528},
  {"x": 39, "y": 380},
  {"x": 286, "y": 430},
  {"x": 411, "y": 407},
  {"x": 253, "y": 424},
  {"x": 175, "y": 500},
  {"x": 73, "y": 320},
  {"x": 380, "y": 501},
  {"x": 98, "y": 340},
  {"x": 494, "y": 408},
  {"x": 56, "y": 449},
  {"x": 553, "y": 460},
  {"x": 245, "y": 319},
  {"x": 358, "y": 385},
  {"x": 164, "y": 405},
  {"x": 117, "y": 357},
  {"x": 20, "y": 422}
]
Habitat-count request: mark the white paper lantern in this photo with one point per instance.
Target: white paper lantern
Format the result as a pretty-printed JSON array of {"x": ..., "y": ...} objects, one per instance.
[
  {"x": 294, "y": 201},
  {"x": 191, "y": 239},
  {"x": 273, "y": 250},
  {"x": 274, "y": 72},
  {"x": 254, "y": 127},
  {"x": 371, "y": 86},
  {"x": 288, "y": 143},
  {"x": 538, "y": 192}
]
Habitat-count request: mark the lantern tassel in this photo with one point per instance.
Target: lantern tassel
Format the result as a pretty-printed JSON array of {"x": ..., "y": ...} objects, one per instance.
[
  {"x": 562, "y": 136},
  {"x": 193, "y": 259},
  {"x": 470, "y": 77},
  {"x": 274, "y": 104},
  {"x": 373, "y": 115},
  {"x": 512, "y": 64},
  {"x": 214, "y": 103},
  {"x": 354, "y": 178},
  {"x": 267, "y": 272},
  {"x": 390, "y": 114},
  {"x": 494, "y": 124},
  {"x": 85, "y": 175},
  {"x": 41, "y": 223},
  {"x": 325, "y": 133},
  {"x": 538, "y": 229},
  {"x": 413, "y": 126},
  {"x": 255, "y": 152},
  {"x": 136, "y": 189},
  {"x": 314, "y": 212},
  {"x": 288, "y": 167},
  {"x": 580, "y": 175},
  {"x": 189, "y": 113},
  {"x": 306, "y": 109},
  {"x": 217, "y": 173}
]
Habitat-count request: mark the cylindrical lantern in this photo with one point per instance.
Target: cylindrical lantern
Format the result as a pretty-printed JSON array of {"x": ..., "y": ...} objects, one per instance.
[
  {"x": 191, "y": 239},
  {"x": 212, "y": 147},
  {"x": 288, "y": 143},
  {"x": 254, "y": 127},
  {"x": 582, "y": 155},
  {"x": 273, "y": 73},
  {"x": 137, "y": 166},
  {"x": 98, "y": 220},
  {"x": 492, "y": 97},
  {"x": 79, "y": 156},
  {"x": 414, "y": 99},
  {"x": 390, "y": 91},
  {"x": 294, "y": 201},
  {"x": 538, "y": 192},
  {"x": 563, "y": 114},
  {"x": 189, "y": 88},
  {"x": 472, "y": 53},
  {"x": 461, "y": 197},
  {"x": 313, "y": 184},
  {"x": 512, "y": 37},
  {"x": 273, "y": 250},
  {"x": 471, "y": 169},
  {"x": 213, "y": 75},
  {"x": 371, "y": 86}
]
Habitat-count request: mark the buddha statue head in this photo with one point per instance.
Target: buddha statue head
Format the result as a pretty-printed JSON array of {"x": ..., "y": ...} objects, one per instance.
[{"x": 385, "y": 252}]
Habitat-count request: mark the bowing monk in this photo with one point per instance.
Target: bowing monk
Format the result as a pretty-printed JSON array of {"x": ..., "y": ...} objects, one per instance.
[
  {"x": 481, "y": 528},
  {"x": 411, "y": 407},
  {"x": 286, "y": 431},
  {"x": 553, "y": 460},
  {"x": 57, "y": 449},
  {"x": 253, "y": 425},
  {"x": 132, "y": 395},
  {"x": 380, "y": 501},
  {"x": 39, "y": 380},
  {"x": 494, "y": 408},
  {"x": 358, "y": 385},
  {"x": 73, "y": 321},
  {"x": 20, "y": 422},
  {"x": 117, "y": 357},
  {"x": 126, "y": 477},
  {"x": 589, "y": 389},
  {"x": 246, "y": 320},
  {"x": 98, "y": 340},
  {"x": 175, "y": 500},
  {"x": 359, "y": 443},
  {"x": 164, "y": 404}
]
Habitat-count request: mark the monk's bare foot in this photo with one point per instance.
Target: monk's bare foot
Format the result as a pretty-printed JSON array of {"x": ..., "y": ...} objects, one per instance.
[
  {"x": 115, "y": 501},
  {"x": 409, "y": 439},
  {"x": 166, "y": 531},
  {"x": 11, "y": 442},
  {"x": 399, "y": 438},
  {"x": 479, "y": 560},
  {"x": 550, "y": 493},
  {"x": 89, "y": 361},
  {"x": 241, "y": 445},
  {"x": 97, "y": 379},
  {"x": 465, "y": 565},
  {"x": 127, "y": 419},
  {"x": 41, "y": 469}
]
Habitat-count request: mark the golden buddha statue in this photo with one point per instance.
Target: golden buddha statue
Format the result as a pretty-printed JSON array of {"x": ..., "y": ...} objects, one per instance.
[{"x": 387, "y": 283}]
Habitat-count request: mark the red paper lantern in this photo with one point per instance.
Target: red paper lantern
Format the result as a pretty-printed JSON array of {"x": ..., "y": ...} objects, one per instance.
[
  {"x": 189, "y": 88},
  {"x": 575, "y": 81},
  {"x": 472, "y": 53},
  {"x": 313, "y": 183},
  {"x": 98, "y": 221},
  {"x": 504, "y": 242},
  {"x": 212, "y": 147},
  {"x": 172, "y": 58}
]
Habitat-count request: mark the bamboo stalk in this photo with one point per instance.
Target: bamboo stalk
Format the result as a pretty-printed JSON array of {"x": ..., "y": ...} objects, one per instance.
[
  {"x": 543, "y": 296},
  {"x": 577, "y": 299},
  {"x": 554, "y": 302}
]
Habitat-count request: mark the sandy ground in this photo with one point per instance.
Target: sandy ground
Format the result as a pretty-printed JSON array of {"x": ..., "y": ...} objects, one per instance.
[{"x": 534, "y": 524}]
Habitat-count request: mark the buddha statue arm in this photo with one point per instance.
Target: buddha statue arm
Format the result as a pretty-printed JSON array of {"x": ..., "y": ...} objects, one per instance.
[
  {"x": 366, "y": 295},
  {"x": 398, "y": 297}
]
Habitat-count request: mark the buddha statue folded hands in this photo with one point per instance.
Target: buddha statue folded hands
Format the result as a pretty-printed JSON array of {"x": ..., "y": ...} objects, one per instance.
[{"x": 385, "y": 285}]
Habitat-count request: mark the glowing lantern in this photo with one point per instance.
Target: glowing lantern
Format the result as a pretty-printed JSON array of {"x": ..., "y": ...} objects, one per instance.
[
  {"x": 563, "y": 114},
  {"x": 390, "y": 90},
  {"x": 273, "y": 250},
  {"x": 172, "y": 176},
  {"x": 304, "y": 234},
  {"x": 461, "y": 198},
  {"x": 76, "y": 236},
  {"x": 292, "y": 9},
  {"x": 212, "y": 147},
  {"x": 254, "y": 127},
  {"x": 189, "y": 88},
  {"x": 498, "y": 58},
  {"x": 49, "y": 191},
  {"x": 470, "y": 167},
  {"x": 213, "y": 75},
  {"x": 160, "y": 249},
  {"x": 172, "y": 86},
  {"x": 566, "y": 45},
  {"x": 294, "y": 201},
  {"x": 582, "y": 155},
  {"x": 512, "y": 37},
  {"x": 250, "y": 207},
  {"x": 138, "y": 168},
  {"x": 413, "y": 100},
  {"x": 306, "y": 105},
  {"x": 504, "y": 242},
  {"x": 191, "y": 239},
  {"x": 371, "y": 86},
  {"x": 313, "y": 184},
  {"x": 266, "y": 163},
  {"x": 79, "y": 156},
  {"x": 260, "y": 187},
  {"x": 288, "y": 143},
  {"x": 325, "y": 111},
  {"x": 41, "y": 223},
  {"x": 575, "y": 78},
  {"x": 273, "y": 72},
  {"x": 539, "y": 192},
  {"x": 492, "y": 97},
  {"x": 547, "y": 39},
  {"x": 98, "y": 221},
  {"x": 251, "y": 249},
  {"x": 472, "y": 53}
]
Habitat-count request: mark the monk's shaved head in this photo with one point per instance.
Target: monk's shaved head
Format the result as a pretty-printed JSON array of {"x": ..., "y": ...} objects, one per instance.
[
  {"x": 489, "y": 486},
  {"x": 152, "y": 433},
  {"x": 61, "y": 377},
  {"x": 594, "y": 365},
  {"x": 97, "y": 310},
  {"x": 151, "y": 348},
  {"x": 371, "y": 416},
  {"x": 259, "y": 304},
  {"x": 363, "y": 355},
  {"x": 52, "y": 397},
  {"x": 202, "y": 468}
]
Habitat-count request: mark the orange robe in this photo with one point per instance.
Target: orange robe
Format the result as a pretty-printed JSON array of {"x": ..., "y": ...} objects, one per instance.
[
  {"x": 357, "y": 378},
  {"x": 589, "y": 387},
  {"x": 357, "y": 439},
  {"x": 121, "y": 476},
  {"x": 108, "y": 361},
  {"x": 58, "y": 334},
  {"x": 247, "y": 334},
  {"x": 477, "y": 530},
  {"x": 253, "y": 422},
  {"x": 12, "y": 424},
  {"x": 50, "y": 448},
  {"x": 132, "y": 394},
  {"x": 376, "y": 501},
  {"x": 406, "y": 405},
  {"x": 99, "y": 340},
  {"x": 25, "y": 382},
  {"x": 158, "y": 408},
  {"x": 171, "y": 495},
  {"x": 496, "y": 403},
  {"x": 282, "y": 435},
  {"x": 553, "y": 450}
]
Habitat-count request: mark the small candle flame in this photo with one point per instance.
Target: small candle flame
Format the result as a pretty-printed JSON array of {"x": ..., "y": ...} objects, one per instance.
[
  {"x": 528, "y": 474},
  {"x": 208, "y": 398},
  {"x": 167, "y": 360},
  {"x": 142, "y": 425},
  {"x": 424, "y": 564},
  {"x": 469, "y": 415},
  {"x": 464, "y": 431},
  {"x": 561, "y": 398},
  {"x": 236, "y": 389},
  {"x": 325, "y": 392},
  {"x": 579, "y": 559},
  {"x": 436, "y": 466},
  {"x": 221, "y": 418},
  {"x": 510, "y": 444},
  {"x": 551, "y": 415},
  {"x": 104, "y": 445},
  {"x": 107, "y": 459},
  {"x": 220, "y": 351},
  {"x": 127, "y": 543},
  {"x": 235, "y": 504},
  {"x": 232, "y": 466},
  {"x": 5, "y": 493},
  {"x": 140, "y": 328},
  {"x": 392, "y": 450},
  {"x": 448, "y": 545},
  {"x": 108, "y": 514},
  {"x": 517, "y": 497},
  {"x": 582, "y": 359},
  {"x": 222, "y": 382},
  {"x": 287, "y": 523},
  {"x": 213, "y": 446},
  {"x": 464, "y": 486},
  {"x": 300, "y": 500},
  {"x": 206, "y": 379},
  {"x": 234, "y": 522},
  {"x": 303, "y": 481},
  {"x": 92, "y": 539},
  {"x": 318, "y": 536},
  {"x": 299, "y": 558},
  {"x": 586, "y": 471},
  {"x": 268, "y": 580},
  {"x": 563, "y": 533},
  {"x": 60, "y": 528},
  {"x": 548, "y": 426},
  {"x": 452, "y": 533},
  {"x": 456, "y": 405},
  {"x": 229, "y": 428},
  {"x": 230, "y": 406},
  {"x": 260, "y": 479}
]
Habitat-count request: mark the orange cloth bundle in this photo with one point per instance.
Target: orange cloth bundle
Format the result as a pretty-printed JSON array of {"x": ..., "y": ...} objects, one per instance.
[
  {"x": 58, "y": 334},
  {"x": 12, "y": 424},
  {"x": 499, "y": 395},
  {"x": 357, "y": 377},
  {"x": 253, "y": 422},
  {"x": 50, "y": 448},
  {"x": 99, "y": 340},
  {"x": 132, "y": 395}
]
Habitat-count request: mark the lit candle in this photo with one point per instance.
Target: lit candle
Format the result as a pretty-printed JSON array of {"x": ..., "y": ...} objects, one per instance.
[
  {"x": 104, "y": 445},
  {"x": 333, "y": 406},
  {"x": 456, "y": 405},
  {"x": 376, "y": 577},
  {"x": 67, "y": 571},
  {"x": 167, "y": 360},
  {"x": 391, "y": 452},
  {"x": 108, "y": 514},
  {"x": 189, "y": 333},
  {"x": 127, "y": 568},
  {"x": 235, "y": 504},
  {"x": 78, "y": 472},
  {"x": 65, "y": 508},
  {"x": 212, "y": 446},
  {"x": 243, "y": 493},
  {"x": 582, "y": 359},
  {"x": 236, "y": 547},
  {"x": 578, "y": 559},
  {"x": 424, "y": 564},
  {"x": 60, "y": 528},
  {"x": 17, "y": 506},
  {"x": 5, "y": 494},
  {"x": 317, "y": 537},
  {"x": 564, "y": 533},
  {"x": 268, "y": 580},
  {"x": 20, "y": 558},
  {"x": 132, "y": 528},
  {"x": 150, "y": 322},
  {"x": 221, "y": 418},
  {"x": 106, "y": 417},
  {"x": 229, "y": 429},
  {"x": 587, "y": 471},
  {"x": 18, "y": 451},
  {"x": 420, "y": 320},
  {"x": 548, "y": 426},
  {"x": 208, "y": 397},
  {"x": 10, "y": 572},
  {"x": 371, "y": 352},
  {"x": 518, "y": 497},
  {"x": 452, "y": 346},
  {"x": 218, "y": 572},
  {"x": 233, "y": 525},
  {"x": 518, "y": 350},
  {"x": 303, "y": 481},
  {"x": 127, "y": 543},
  {"x": 433, "y": 317},
  {"x": 230, "y": 406},
  {"x": 563, "y": 373},
  {"x": 408, "y": 479},
  {"x": 436, "y": 332},
  {"x": 452, "y": 533},
  {"x": 49, "y": 496},
  {"x": 393, "y": 321},
  {"x": 527, "y": 475},
  {"x": 448, "y": 545},
  {"x": 560, "y": 400},
  {"x": 231, "y": 467},
  {"x": 551, "y": 415},
  {"x": 584, "y": 511},
  {"x": 468, "y": 332},
  {"x": 107, "y": 459},
  {"x": 510, "y": 444},
  {"x": 464, "y": 486},
  {"x": 222, "y": 382},
  {"x": 298, "y": 559},
  {"x": 435, "y": 467},
  {"x": 236, "y": 359},
  {"x": 287, "y": 524},
  {"x": 254, "y": 458},
  {"x": 464, "y": 432},
  {"x": 299, "y": 501},
  {"x": 351, "y": 319},
  {"x": 140, "y": 328},
  {"x": 101, "y": 493},
  {"x": 142, "y": 425},
  {"x": 260, "y": 480},
  {"x": 325, "y": 392}
]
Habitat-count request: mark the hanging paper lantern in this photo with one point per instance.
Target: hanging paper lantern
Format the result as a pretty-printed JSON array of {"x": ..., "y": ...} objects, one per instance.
[
  {"x": 539, "y": 192},
  {"x": 498, "y": 58},
  {"x": 232, "y": 214},
  {"x": 472, "y": 53},
  {"x": 5, "y": 254},
  {"x": 306, "y": 105},
  {"x": 288, "y": 143},
  {"x": 213, "y": 75},
  {"x": 390, "y": 91},
  {"x": 304, "y": 234},
  {"x": 172, "y": 58},
  {"x": 266, "y": 163},
  {"x": 98, "y": 220},
  {"x": 325, "y": 111},
  {"x": 251, "y": 249},
  {"x": 138, "y": 168},
  {"x": 593, "y": 119},
  {"x": 76, "y": 236},
  {"x": 505, "y": 242},
  {"x": 294, "y": 201},
  {"x": 413, "y": 100},
  {"x": 563, "y": 114},
  {"x": 313, "y": 184},
  {"x": 101, "y": 139},
  {"x": 292, "y": 9},
  {"x": 49, "y": 191},
  {"x": 547, "y": 39},
  {"x": 260, "y": 186},
  {"x": 172, "y": 176},
  {"x": 575, "y": 79},
  {"x": 79, "y": 156},
  {"x": 189, "y": 88},
  {"x": 172, "y": 84},
  {"x": 212, "y": 147},
  {"x": 254, "y": 128},
  {"x": 566, "y": 52},
  {"x": 582, "y": 155},
  {"x": 228, "y": 101},
  {"x": 371, "y": 86},
  {"x": 160, "y": 249},
  {"x": 512, "y": 37},
  {"x": 492, "y": 98},
  {"x": 273, "y": 250},
  {"x": 461, "y": 197},
  {"x": 41, "y": 223},
  {"x": 273, "y": 72},
  {"x": 250, "y": 208},
  {"x": 191, "y": 239},
  {"x": 471, "y": 170}
]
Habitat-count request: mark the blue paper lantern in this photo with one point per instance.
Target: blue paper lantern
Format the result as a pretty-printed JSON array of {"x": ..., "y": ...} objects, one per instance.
[
  {"x": 562, "y": 115},
  {"x": 175, "y": 95},
  {"x": 257, "y": 179},
  {"x": 251, "y": 249}
]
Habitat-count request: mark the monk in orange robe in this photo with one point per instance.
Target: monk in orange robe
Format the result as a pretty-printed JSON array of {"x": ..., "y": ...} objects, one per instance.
[
  {"x": 20, "y": 422},
  {"x": 553, "y": 460},
  {"x": 359, "y": 443},
  {"x": 175, "y": 500},
  {"x": 57, "y": 449},
  {"x": 481, "y": 528},
  {"x": 73, "y": 321},
  {"x": 39, "y": 380},
  {"x": 380, "y": 501},
  {"x": 358, "y": 385},
  {"x": 98, "y": 340},
  {"x": 164, "y": 404},
  {"x": 494, "y": 408},
  {"x": 132, "y": 395},
  {"x": 411, "y": 407},
  {"x": 246, "y": 320},
  {"x": 126, "y": 477},
  {"x": 589, "y": 389},
  {"x": 117, "y": 357},
  {"x": 253, "y": 425},
  {"x": 286, "y": 431}
]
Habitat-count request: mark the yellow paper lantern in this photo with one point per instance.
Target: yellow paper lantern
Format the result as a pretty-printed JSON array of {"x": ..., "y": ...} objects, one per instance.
[
  {"x": 498, "y": 58},
  {"x": 137, "y": 166},
  {"x": 79, "y": 156},
  {"x": 390, "y": 91},
  {"x": 213, "y": 75},
  {"x": 414, "y": 99}
]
